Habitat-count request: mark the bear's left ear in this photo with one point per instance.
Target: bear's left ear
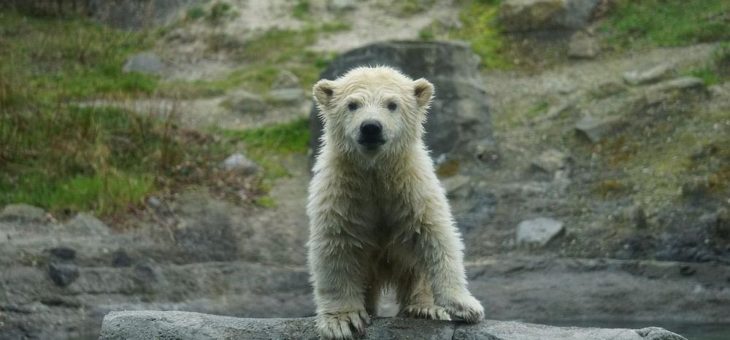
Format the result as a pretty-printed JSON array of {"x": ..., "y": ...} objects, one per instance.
[
  {"x": 323, "y": 91},
  {"x": 423, "y": 90}
]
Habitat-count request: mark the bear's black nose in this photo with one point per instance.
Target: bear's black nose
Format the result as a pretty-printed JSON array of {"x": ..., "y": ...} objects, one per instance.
[{"x": 371, "y": 128}]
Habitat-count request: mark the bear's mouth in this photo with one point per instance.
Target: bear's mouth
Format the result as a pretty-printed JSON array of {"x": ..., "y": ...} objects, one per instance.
[{"x": 371, "y": 144}]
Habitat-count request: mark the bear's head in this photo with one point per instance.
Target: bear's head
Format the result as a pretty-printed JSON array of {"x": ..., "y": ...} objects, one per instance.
[{"x": 373, "y": 111}]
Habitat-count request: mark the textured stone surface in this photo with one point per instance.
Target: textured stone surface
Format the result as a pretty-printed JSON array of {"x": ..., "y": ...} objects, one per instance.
[
  {"x": 535, "y": 15},
  {"x": 459, "y": 112},
  {"x": 194, "y": 326},
  {"x": 22, "y": 212}
]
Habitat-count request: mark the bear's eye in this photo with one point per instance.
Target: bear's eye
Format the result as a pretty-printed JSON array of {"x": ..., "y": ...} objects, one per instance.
[
  {"x": 352, "y": 106},
  {"x": 392, "y": 106}
]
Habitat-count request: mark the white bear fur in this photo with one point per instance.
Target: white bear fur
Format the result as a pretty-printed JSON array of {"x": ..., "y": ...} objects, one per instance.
[{"x": 380, "y": 219}]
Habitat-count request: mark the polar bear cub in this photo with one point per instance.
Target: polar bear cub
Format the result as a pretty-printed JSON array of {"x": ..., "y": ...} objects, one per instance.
[{"x": 378, "y": 215}]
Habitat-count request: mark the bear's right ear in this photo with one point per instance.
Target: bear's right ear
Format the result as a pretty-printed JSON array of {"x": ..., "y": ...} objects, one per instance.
[
  {"x": 423, "y": 90},
  {"x": 323, "y": 91}
]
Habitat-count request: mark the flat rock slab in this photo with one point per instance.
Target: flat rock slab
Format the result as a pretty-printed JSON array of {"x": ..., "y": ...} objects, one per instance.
[{"x": 133, "y": 325}]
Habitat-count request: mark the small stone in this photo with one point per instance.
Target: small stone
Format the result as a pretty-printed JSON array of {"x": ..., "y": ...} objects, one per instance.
[
  {"x": 596, "y": 129},
  {"x": 22, "y": 212},
  {"x": 550, "y": 161},
  {"x": 239, "y": 162},
  {"x": 285, "y": 80},
  {"x": 487, "y": 151},
  {"x": 63, "y": 274},
  {"x": 85, "y": 224},
  {"x": 653, "y": 74},
  {"x": 145, "y": 63},
  {"x": 583, "y": 45},
  {"x": 538, "y": 231},
  {"x": 63, "y": 253},
  {"x": 681, "y": 83},
  {"x": 121, "y": 259},
  {"x": 291, "y": 95},
  {"x": 154, "y": 202}
]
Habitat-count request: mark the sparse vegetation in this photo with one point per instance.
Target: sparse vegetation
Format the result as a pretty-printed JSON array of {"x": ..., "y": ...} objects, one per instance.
[
  {"x": 480, "y": 28},
  {"x": 667, "y": 22},
  {"x": 715, "y": 70},
  {"x": 263, "y": 57},
  {"x": 267, "y": 144},
  {"x": 64, "y": 156}
]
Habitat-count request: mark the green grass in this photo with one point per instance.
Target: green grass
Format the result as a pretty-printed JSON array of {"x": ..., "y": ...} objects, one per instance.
[
  {"x": 717, "y": 69},
  {"x": 279, "y": 138},
  {"x": 267, "y": 144},
  {"x": 64, "y": 157},
  {"x": 480, "y": 29},
  {"x": 68, "y": 157},
  {"x": 667, "y": 22},
  {"x": 58, "y": 59}
]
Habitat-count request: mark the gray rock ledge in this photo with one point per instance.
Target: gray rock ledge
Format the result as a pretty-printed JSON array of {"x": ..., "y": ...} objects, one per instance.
[{"x": 133, "y": 325}]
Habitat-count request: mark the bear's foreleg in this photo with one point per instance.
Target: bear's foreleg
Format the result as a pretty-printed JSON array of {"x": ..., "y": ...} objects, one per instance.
[
  {"x": 339, "y": 285},
  {"x": 442, "y": 249}
]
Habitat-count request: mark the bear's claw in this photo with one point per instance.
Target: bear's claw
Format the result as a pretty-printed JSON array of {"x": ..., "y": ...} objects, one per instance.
[
  {"x": 431, "y": 312},
  {"x": 340, "y": 325}
]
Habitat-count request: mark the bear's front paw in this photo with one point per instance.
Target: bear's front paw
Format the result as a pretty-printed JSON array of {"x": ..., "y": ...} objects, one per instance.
[
  {"x": 465, "y": 308},
  {"x": 340, "y": 325},
  {"x": 431, "y": 312}
]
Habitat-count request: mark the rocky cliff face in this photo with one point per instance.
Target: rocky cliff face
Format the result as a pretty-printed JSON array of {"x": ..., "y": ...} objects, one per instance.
[{"x": 194, "y": 326}]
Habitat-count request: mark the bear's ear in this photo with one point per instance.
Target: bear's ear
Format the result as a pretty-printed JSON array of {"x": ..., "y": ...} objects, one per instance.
[
  {"x": 323, "y": 91},
  {"x": 423, "y": 90}
]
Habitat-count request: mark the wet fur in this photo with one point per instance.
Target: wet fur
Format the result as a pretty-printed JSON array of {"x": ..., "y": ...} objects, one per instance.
[{"x": 381, "y": 219}]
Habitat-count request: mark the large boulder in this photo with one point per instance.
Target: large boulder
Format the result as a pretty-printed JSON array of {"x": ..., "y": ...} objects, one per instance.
[
  {"x": 540, "y": 15},
  {"x": 459, "y": 112},
  {"x": 194, "y": 326}
]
